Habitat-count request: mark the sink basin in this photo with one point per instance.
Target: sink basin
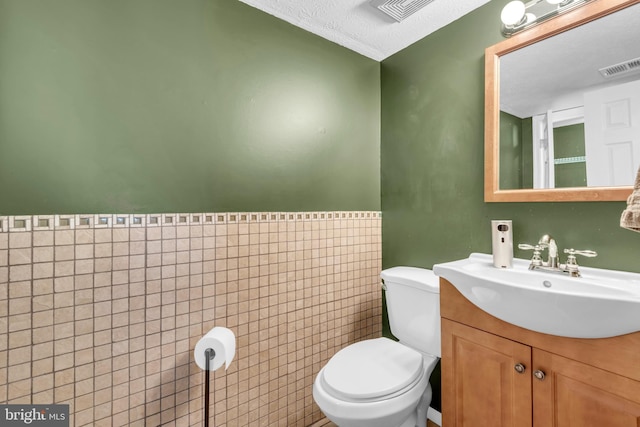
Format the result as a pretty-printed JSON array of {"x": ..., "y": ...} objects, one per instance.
[{"x": 601, "y": 303}]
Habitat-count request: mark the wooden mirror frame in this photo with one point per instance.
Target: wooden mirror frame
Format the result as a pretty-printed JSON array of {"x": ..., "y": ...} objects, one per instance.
[{"x": 492, "y": 193}]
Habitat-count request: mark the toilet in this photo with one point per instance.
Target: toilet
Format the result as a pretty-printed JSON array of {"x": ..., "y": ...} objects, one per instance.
[{"x": 380, "y": 382}]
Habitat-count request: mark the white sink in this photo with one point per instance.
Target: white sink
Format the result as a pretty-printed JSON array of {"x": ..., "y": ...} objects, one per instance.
[{"x": 601, "y": 303}]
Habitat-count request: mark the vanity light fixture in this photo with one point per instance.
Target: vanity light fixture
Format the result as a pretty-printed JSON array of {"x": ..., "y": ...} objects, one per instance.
[
  {"x": 517, "y": 15},
  {"x": 513, "y": 13}
]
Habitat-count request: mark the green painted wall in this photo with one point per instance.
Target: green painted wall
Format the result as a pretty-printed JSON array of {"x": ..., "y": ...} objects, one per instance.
[
  {"x": 188, "y": 106},
  {"x": 432, "y": 163},
  {"x": 510, "y": 151},
  {"x": 516, "y": 156}
]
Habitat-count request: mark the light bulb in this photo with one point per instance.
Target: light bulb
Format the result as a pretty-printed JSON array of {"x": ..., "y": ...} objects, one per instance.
[{"x": 512, "y": 13}]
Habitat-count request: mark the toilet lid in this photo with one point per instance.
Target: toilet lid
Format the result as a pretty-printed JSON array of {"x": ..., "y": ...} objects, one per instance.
[{"x": 372, "y": 368}]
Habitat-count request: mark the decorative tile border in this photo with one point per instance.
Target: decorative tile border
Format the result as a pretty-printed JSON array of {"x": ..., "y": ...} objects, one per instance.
[
  {"x": 21, "y": 223},
  {"x": 84, "y": 221},
  {"x": 43, "y": 222},
  {"x": 122, "y": 298}
]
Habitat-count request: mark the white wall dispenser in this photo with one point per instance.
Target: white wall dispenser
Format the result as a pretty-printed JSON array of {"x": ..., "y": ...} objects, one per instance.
[{"x": 502, "y": 243}]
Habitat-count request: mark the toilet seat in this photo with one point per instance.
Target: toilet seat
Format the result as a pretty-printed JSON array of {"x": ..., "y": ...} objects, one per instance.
[{"x": 372, "y": 370}]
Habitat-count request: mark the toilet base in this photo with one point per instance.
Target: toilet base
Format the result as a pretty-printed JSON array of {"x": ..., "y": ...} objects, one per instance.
[
  {"x": 416, "y": 418},
  {"x": 406, "y": 408}
]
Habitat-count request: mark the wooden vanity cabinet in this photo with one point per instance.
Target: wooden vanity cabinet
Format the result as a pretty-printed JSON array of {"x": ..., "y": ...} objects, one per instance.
[
  {"x": 577, "y": 394},
  {"x": 496, "y": 374},
  {"x": 479, "y": 381}
]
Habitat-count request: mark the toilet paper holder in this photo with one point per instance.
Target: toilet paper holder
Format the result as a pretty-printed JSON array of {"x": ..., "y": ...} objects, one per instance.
[
  {"x": 215, "y": 348},
  {"x": 209, "y": 354}
]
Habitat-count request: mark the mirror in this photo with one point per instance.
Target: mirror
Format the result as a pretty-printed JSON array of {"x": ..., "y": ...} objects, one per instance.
[{"x": 545, "y": 100}]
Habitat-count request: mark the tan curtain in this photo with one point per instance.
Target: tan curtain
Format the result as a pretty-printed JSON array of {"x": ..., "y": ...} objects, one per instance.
[{"x": 631, "y": 216}]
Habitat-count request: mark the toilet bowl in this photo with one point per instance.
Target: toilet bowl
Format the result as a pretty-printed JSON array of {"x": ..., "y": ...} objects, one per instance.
[
  {"x": 360, "y": 387},
  {"x": 380, "y": 382}
]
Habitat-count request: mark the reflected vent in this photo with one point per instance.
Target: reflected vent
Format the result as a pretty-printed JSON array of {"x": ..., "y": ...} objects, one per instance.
[
  {"x": 630, "y": 66},
  {"x": 402, "y": 9}
]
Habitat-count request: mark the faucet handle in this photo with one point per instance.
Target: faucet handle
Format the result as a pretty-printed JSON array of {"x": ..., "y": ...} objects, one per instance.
[
  {"x": 535, "y": 259},
  {"x": 587, "y": 253},
  {"x": 528, "y": 247},
  {"x": 572, "y": 265}
]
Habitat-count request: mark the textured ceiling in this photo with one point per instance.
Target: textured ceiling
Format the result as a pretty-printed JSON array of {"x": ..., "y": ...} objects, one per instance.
[
  {"x": 358, "y": 24},
  {"x": 554, "y": 73}
]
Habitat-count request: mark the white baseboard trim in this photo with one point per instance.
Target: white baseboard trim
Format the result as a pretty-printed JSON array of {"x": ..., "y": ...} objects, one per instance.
[{"x": 434, "y": 416}]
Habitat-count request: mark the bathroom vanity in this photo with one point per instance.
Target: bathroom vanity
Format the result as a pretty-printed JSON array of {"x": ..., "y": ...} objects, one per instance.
[{"x": 497, "y": 374}]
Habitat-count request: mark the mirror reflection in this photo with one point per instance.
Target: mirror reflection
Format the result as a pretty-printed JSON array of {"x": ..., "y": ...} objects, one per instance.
[{"x": 570, "y": 107}]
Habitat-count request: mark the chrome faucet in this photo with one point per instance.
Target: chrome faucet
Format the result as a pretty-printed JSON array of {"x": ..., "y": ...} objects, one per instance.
[
  {"x": 549, "y": 242},
  {"x": 553, "y": 264}
]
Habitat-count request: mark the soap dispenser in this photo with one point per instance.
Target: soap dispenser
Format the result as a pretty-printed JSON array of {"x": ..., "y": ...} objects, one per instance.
[{"x": 502, "y": 243}]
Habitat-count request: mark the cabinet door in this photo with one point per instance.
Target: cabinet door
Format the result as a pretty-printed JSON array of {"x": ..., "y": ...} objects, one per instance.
[
  {"x": 480, "y": 383},
  {"x": 573, "y": 394}
]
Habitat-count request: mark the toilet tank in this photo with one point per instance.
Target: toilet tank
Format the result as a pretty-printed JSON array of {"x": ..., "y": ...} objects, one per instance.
[{"x": 413, "y": 305}]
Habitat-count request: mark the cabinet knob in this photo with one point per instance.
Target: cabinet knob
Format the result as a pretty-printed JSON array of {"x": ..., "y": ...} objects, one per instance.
[
  {"x": 519, "y": 367},
  {"x": 539, "y": 374}
]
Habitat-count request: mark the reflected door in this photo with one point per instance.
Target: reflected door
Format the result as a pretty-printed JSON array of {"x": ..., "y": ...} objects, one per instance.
[
  {"x": 612, "y": 134},
  {"x": 543, "y": 151}
]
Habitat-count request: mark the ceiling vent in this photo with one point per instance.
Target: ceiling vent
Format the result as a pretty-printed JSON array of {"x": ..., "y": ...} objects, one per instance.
[
  {"x": 402, "y": 9},
  {"x": 626, "y": 67}
]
